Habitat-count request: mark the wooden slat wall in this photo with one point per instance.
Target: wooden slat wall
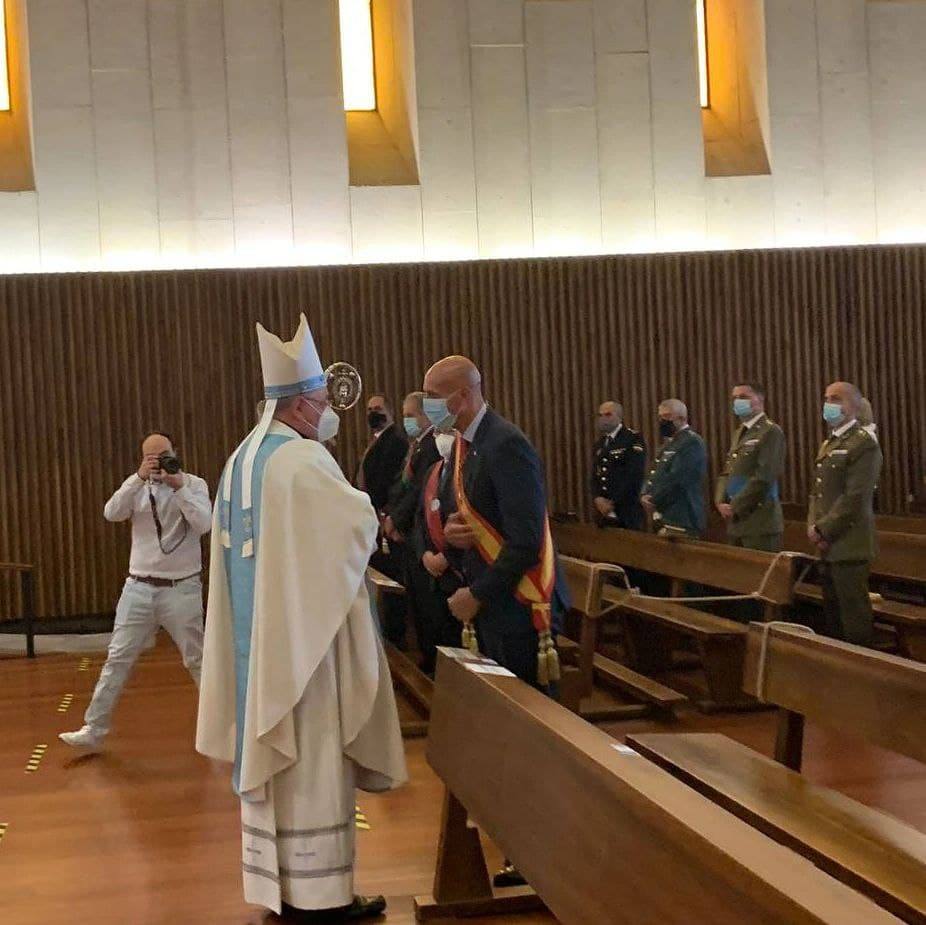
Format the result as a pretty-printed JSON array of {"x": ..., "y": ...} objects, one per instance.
[{"x": 89, "y": 362}]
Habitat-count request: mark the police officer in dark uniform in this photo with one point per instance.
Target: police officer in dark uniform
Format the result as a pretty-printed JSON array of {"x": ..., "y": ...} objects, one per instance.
[{"x": 618, "y": 466}]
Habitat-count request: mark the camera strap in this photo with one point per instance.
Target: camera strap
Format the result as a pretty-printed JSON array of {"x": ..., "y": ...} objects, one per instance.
[{"x": 159, "y": 529}]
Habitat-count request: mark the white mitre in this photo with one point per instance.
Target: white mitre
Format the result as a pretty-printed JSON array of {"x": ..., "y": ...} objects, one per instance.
[{"x": 290, "y": 368}]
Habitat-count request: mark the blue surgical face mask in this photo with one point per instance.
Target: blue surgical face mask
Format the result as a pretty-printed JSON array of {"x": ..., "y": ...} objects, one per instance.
[
  {"x": 412, "y": 427},
  {"x": 832, "y": 413},
  {"x": 437, "y": 412},
  {"x": 742, "y": 407}
]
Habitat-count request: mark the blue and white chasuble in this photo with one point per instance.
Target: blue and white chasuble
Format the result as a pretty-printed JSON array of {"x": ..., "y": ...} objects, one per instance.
[{"x": 296, "y": 691}]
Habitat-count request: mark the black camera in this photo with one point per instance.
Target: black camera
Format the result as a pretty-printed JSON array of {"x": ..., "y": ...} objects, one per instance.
[{"x": 169, "y": 463}]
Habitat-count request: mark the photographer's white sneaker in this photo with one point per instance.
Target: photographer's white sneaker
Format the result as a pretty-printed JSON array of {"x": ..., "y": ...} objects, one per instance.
[{"x": 84, "y": 739}]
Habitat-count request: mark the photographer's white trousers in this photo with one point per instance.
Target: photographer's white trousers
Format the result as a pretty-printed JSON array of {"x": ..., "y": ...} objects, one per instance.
[{"x": 142, "y": 609}]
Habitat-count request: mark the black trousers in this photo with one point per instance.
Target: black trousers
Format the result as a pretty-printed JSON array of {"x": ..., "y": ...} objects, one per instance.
[{"x": 434, "y": 624}]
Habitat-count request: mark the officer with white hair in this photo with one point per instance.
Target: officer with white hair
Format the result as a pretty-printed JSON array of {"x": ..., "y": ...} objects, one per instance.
[{"x": 674, "y": 489}]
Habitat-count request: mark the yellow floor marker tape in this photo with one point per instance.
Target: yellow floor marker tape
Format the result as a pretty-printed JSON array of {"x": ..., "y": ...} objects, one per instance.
[
  {"x": 360, "y": 820},
  {"x": 38, "y": 753},
  {"x": 3, "y": 827},
  {"x": 84, "y": 664},
  {"x": 66, "y": 702}
]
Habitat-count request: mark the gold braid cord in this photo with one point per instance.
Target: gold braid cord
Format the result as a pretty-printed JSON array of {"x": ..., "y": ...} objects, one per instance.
[
  {"x": 468, "y": 638},
  {"x": 547, "y": 660}
]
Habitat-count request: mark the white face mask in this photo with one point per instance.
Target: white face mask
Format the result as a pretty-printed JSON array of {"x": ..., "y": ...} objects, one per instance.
[
  {"x": 445, "y": 444},
  {"x": 328, "y": 424}
]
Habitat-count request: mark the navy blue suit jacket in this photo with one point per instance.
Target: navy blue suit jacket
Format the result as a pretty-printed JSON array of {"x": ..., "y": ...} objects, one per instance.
[{"x": 504, "y": 481}]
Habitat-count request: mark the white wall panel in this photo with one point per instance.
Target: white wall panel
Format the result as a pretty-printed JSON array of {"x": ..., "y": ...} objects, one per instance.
[
  {"x": 740, "y": 212},
  {"x": 118, "y": 34},
  {"x": 258, "y": 123},
  {"x": 19, "y": 233},
  {"x": 620, "y": 26},
  {"x": 794, "y": 110},
  {"x": 898, "y": 82},
  {"x": 59, "y": 53},
  {"x": 502, "y": 151},
  {"x": 69, "y": 205},
  {"x": 124, "y": 133},
  {"x": 386, "y": 223},
  {"x": 625, "y": 152},
  {"x": 678, "y": 150},
  {"x": 560, "y": 54},
  {"x": 848, "y": 169},
  {"x": 496, "y": 22},
  {"x": 442, "y": 54},
  {"x": 317, "y": 136}
]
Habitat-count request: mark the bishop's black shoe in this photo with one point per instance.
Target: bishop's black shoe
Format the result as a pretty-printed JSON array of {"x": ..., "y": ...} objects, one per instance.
[
  {"x": 363, "y": 907},
  {"x": 509, "y": 875}
]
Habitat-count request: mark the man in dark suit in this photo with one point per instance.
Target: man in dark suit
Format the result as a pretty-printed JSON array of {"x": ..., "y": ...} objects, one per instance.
[
  {"x": 618, "y": 466},
  {"x": 379, "y": 468},
  {"x": 674, "y": 489},
  {"x": 385, "y": 453},
  {"x": 503, "y": 483},
  {"x": 423, "y": 603}
]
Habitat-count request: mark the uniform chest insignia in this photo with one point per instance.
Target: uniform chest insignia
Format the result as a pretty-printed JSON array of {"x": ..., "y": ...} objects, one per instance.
[
  {"x": 616, "y": 453},
  {"x": 752, "y": 442},
  {"x": 839, "y": 453},
  {"x": 639, "y": 449},
  {"x": 668, "y": 454}
]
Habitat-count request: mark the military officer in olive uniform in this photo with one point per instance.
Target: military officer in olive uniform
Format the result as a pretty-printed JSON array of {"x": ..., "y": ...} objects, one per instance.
[
  {"x": 674, "y": 489},
  {"x": 840, "y": 517},
  {"x": 747, "y": 492},
  {"x": 619, "y": 463}
]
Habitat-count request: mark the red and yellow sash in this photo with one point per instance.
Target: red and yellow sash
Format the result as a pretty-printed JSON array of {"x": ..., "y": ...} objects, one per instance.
[
  {"x": 432, "y": 517},
  {"x": 536, "y": 586}
]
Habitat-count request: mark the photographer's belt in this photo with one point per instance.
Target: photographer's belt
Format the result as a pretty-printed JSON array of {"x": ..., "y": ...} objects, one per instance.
[{"x": 162, "y": 582}]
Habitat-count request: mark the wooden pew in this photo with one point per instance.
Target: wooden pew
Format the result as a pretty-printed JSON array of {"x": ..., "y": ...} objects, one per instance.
[
  {"x": 417, "y": 687},
  {"x": 901, "y": 556},
  {"x": 600, "y": 834},
  {"x": 654, "y": 628},
  {"x": 871, "y": 695},
  {"x": 907, "y": 620},
  {"x": 586, "y": 582}
]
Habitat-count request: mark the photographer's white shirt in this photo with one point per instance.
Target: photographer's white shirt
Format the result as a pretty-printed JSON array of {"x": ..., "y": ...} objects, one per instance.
[{"x": 190, "y": 502}]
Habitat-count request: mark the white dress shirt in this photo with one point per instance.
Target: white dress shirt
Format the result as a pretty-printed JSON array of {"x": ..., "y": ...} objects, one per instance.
[
  {"x": 191, "y": 502},
  {"x": 470, "y": 433}
]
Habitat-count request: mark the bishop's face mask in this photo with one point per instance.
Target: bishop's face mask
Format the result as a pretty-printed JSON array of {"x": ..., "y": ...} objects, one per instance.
[{"x": 328, "y": 423}]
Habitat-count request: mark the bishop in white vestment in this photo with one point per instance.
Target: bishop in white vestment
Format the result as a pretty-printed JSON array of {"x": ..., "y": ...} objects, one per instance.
[{"x": 296, "y": 691}]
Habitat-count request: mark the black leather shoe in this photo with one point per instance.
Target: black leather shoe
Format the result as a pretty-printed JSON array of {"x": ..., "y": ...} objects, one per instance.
[
  {"x": 509, "y": 875},
  {"x": 363, "y": 907}
]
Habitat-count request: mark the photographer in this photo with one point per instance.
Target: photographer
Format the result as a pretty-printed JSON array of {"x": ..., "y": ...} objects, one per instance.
[{"x": 170, "y": 510}]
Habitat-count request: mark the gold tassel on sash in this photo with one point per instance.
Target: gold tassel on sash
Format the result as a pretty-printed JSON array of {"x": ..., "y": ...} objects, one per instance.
[{"x": 468, "y": 638}]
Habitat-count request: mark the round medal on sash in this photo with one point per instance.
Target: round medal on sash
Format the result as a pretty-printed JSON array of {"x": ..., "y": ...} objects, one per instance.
[
  {"x": 344, "y": 386},
  {"x": 435, "y": 504}
]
